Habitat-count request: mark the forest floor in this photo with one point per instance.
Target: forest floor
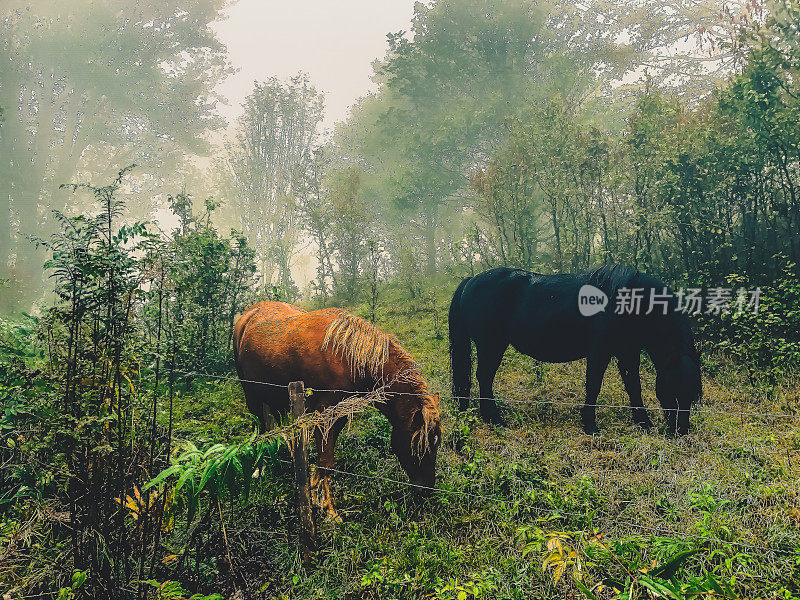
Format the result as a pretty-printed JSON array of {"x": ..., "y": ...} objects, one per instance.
[{"x": 528, "y": 510}]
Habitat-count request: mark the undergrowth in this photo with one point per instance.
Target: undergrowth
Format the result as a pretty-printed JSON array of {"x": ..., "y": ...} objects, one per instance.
[{"x": 537, "y": 510}]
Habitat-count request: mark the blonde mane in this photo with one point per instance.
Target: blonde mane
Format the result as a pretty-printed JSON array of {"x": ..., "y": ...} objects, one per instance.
[
  {"x": 359, "y": 343},
  {"x": 420, "y": 441},
  {"x": 366, "y": 349}
]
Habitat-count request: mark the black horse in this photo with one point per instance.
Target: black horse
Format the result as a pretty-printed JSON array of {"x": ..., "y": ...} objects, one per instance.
[{"x": 560, "y": 318}]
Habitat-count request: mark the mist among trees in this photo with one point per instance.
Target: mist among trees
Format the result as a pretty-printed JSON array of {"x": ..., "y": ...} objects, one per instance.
[{"x": 549, "y": 137}]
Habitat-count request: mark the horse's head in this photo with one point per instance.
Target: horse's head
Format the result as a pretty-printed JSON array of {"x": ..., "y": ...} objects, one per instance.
[
  {"x": 415, "y": 440},
  {"x": 680, "y": 383}
]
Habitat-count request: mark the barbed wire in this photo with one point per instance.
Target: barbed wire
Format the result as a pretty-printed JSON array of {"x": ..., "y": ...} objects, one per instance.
[
  {"x": 553, "y": 513},
  {"x": 310, "y": 390},
  {"x": 550, "y": 513}
]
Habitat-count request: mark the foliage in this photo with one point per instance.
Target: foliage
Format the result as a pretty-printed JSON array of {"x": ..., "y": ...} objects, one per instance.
[
  {"x": 275, "y": 135},
  {"x": 140, "y": 88},
  {"x": 20, "y": 385},
  {"x": 223, "y": 472},
  {"x": 545, "y": 197},
  {"x": 766, "y": 342},
  {"x": 663, "y": 580},
  {"x": 85, "y": 435},
  {"x": 69, "y": 593},
  {"x": 172, "y": 590},
  {"x": 203, "y": 280},
  {"x": 492, "y": 140},
  {"x": 18, "y": 340},
  {"x": 80, "y": 450},
  {"x": 461, "y": 91}
]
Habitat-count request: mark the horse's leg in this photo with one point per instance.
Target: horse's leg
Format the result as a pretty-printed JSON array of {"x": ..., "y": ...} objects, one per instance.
[
  {"x": 254, "y": 398},
  {"x": 596, "y": 364},
  {"x": 489, "y": 359},
  {"x": 320, "y": 480},
  {"x": 668, "y": 401},
  {"x": 628, "y": 365}
]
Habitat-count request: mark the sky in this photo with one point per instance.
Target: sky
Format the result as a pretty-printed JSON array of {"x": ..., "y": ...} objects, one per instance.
[{"x": 334, "y": 41}]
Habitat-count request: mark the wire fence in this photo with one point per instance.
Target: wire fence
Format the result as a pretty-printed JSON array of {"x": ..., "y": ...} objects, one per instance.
[
  {"x": 533, "y": 401},
  {"x": 557, "y": 513},
  {"x": 547, "y": 513}
]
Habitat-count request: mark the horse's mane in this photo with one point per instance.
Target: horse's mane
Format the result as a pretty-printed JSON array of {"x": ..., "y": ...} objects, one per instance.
[
  {"x": 425, "y": 403},
  {"x": 366, "y": 349},
  {"x": 610, "y": 278},
  {"x": 359, "y": 343}
]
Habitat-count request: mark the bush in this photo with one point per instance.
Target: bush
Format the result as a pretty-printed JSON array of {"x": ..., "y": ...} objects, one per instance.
[{"x": 767, "y": 342}]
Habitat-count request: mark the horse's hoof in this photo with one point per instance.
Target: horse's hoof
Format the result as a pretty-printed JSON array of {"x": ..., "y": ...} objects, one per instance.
[
  {"x": 646, "y": 425},
  {"x": 494, "y": 419},
  {"x": 591, "y": 429},
  {"x": 331, "y": 516}
]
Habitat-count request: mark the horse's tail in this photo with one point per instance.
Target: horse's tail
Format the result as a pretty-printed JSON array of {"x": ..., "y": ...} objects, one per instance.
[
  {"x": 460, "y": 350},
  {"x": 237, "y": 336},
  {"x": 236, "y": 342}
]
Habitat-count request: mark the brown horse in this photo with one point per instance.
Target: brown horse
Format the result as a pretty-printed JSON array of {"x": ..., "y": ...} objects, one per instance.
[{"x": 331, "y": 349}]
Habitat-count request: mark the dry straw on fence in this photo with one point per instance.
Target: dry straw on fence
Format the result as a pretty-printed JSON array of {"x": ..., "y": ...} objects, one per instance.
[{"x": 325, "y": 419}]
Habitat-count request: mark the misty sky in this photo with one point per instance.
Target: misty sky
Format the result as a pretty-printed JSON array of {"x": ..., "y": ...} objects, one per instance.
[{"x": 334, "y": 41}]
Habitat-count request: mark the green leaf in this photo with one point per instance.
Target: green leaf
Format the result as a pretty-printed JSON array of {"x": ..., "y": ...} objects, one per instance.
[
  {"x": 669, "y": 568},
  {"x": 585, "y": 590},
  {"x": 169, "y": 471},
  {"x": 193, "y": 503},
  {"x": 210, "y": 471},
  {"x": 658, "y": 588},
  {"x": 615, "y": 584},
  {"x": 216, "y": 448},
  {"x": 78, "y": 579},
  {"x": 184, "y": 477}
]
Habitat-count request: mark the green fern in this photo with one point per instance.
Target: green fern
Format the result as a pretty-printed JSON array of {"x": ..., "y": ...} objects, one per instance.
[{"x": 223, "y": 472}]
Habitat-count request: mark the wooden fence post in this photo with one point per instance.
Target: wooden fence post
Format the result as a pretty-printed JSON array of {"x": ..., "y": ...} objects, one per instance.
[{"x": 297, "y": 397}]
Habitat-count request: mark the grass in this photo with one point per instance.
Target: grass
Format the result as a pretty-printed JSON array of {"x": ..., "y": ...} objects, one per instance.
[{"x": 511, "y": 497}]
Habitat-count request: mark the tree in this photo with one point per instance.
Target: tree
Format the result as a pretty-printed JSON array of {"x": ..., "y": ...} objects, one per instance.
[
  {"x": 89, "y": 83},
  {"x": 277, "y": 132},
  {"x": 352, "y": 229},
  {"x": 317, "y": 217},
  {"x": 96, "y": 268},
  {"x": 544, "y": 196},
  {"x": 210, "y": 276},
  {"x": 445, "y": 95},
  {"x": 765, "y": 102},
  {"x": 509, "y": 204},
  {"x": 449, "y": 91}
]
